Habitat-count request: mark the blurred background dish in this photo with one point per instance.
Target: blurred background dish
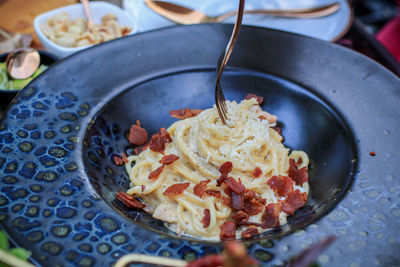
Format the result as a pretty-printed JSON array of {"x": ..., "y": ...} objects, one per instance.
[
  {"x": 6, "y": 95},
  {"x": 98, "y": 9},
  {"x": 329, "y": 28}
]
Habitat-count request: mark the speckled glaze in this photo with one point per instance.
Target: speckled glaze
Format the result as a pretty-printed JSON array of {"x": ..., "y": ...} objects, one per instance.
[{"x": 56, "y": 144}]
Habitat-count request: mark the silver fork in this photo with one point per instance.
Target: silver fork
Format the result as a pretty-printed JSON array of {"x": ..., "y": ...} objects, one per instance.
[{"x": 222, "y": 61}]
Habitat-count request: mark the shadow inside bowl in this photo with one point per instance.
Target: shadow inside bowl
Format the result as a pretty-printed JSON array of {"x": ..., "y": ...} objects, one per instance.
[{"x": 308, "y": 123}]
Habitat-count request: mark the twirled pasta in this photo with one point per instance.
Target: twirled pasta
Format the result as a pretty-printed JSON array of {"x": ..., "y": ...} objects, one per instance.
[{"x": 203, "y": 144}]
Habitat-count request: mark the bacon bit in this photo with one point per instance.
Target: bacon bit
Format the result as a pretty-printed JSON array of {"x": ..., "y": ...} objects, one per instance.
[
  {"x": 143, "y": 187},
  {"x": 168, "y": 159},
  {"x": 137, "y": 135},
  {"x": 249, "y": 194},
  {"x": 253, "y": 207},
  {"x": 262, "y": 117},
  {"x": 118, "y": 161},
  {"x": 206, "y": 218},
  {"x": 213, "y": 193},
  {"x": 129, "y": 201},
  {"x": 236, "y": 187},
  {"x": 304, "y": 196},
  {"x": 158, "y": 140},
  {"x": 281, "y": 184},
  {"x": 200, "y": 188},
  {"x": 124, "y": 158},
  {"x": 257, "y": 172},
  {"x": 227, "y": 201},
  {"x": 300, "y": 176},
  {"x": 372, "y": 153},
  {"x": 154, "y": 174},
  {"x": 221, "y": 179},
  {"x": 228, "y": 231},
  {"x": 176, "y": 189},
  {"x": 185, "y": 113},
  {"x": 237, "y": 201},
  {"x": 270, "y": 217},
  {"x": 227, "y": 191},
  {"x": 279, "y": 131},
  {"x": 208, "y": 261},
  {"x": 261, "y": 200},
  {"x": 249, "y": 233},
  {"x": 141, "y": 148},
  {"x": 293, "y": 201},
  {"x": 249, "y": 224},
  {"x": 226, "y": 168},
  {"x": 259, "y": 99},
  {"x": 240, "y": 216}
]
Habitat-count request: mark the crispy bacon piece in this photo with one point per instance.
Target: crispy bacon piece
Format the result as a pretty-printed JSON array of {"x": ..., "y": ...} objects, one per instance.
[
  {"x": 208, "y": 261},
  {"x": 249, "y": 194},
  {"x": 227, "y": 201},
  {"x": 141, "y": 148},
  {"x": 257, "y": 172},
  {"x": 168, "y": 159},
  {"x": 259, "y": 99},
  {"x": 200, "y": 188},
  {"x": 249, "y": 233},
  {"x": 176, "y": 189},
  {"x": 213, "y": 193},
  {"x": 143, "y": 187},
  {"x": 237, "y": 201},
  {"x": 372, "y": 153},
  {"x": 206, "y": 218},
  {"x": 118, "y": 161},
  {"x": 129, "y": 201},
  {"x": 236, "y": 187},
  {"x": 293, "y": 201},
  {"x": 304, "y": 196},
  {"x": 298, "y": 175},
  {"x": 226, "y": 168},
  {"x": 228, "y": 231},
  {"x": 240, "y": 216},
  {"x": 185, "y": 113},
  {"x": 137, "y": 135},
  {"x": 154, "y": 174},
  {"x": 158, "y": 140},
  {"x": 221, "y": 179},
  {"x": 270, "y": 217},
  {"x": 281, "y": 184},
  {"x": 253, "y": 207}
]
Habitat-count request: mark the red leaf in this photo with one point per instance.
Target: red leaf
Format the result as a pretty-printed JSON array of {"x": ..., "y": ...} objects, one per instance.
[
  {"x": 168, "y": 159},
  {"x": 154, "y": 174},
  {"x": 206, "y": 218},
  {"x": 176, "y": 189},
  {"x": 293, "y": 201},
  {"x": 200, "y": 188},
  {"x": 281, "y": 184},
  {"x": 137, "y": 135},
  {"x": 228, "y": 231},
  {"x": 249, "y": 233},
  {"x": 270, "y": 217},
  {"x": 259, "y": 99},
  {"x": 158, "y": 140}
]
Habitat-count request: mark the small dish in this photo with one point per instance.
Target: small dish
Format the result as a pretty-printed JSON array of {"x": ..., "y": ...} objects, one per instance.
[
  {"x": 98, "y": 9},
  {"x": 7, "y": 95}
]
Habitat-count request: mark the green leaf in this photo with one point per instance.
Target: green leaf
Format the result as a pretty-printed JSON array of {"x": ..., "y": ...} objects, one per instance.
[
  {"x": 3, "y": 241},
  {"x": 20, "y": 253}
]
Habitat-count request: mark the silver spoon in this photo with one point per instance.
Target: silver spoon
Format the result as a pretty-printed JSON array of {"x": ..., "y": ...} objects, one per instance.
[{"x": 22, "y": 63}]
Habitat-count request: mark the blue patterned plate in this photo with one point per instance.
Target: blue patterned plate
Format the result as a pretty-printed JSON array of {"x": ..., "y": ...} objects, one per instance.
[{"x": 57, "y": 142}]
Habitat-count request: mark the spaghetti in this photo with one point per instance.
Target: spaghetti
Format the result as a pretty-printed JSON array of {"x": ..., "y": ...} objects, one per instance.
[{"x": 213, "y": 181}]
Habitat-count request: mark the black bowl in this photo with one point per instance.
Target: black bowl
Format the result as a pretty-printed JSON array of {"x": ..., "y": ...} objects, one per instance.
[{"x": 7, "y": 95}]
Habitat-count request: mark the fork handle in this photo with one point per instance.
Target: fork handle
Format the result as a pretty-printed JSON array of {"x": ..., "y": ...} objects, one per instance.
[{"x": 312, "y": 12}]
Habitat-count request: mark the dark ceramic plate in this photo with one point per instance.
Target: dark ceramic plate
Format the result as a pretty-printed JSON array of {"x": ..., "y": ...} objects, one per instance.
[{"x": 57, "y": 143}]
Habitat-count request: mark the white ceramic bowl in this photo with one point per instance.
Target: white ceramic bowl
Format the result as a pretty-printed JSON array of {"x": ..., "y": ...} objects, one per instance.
[{"x": 98, "y": 10}]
